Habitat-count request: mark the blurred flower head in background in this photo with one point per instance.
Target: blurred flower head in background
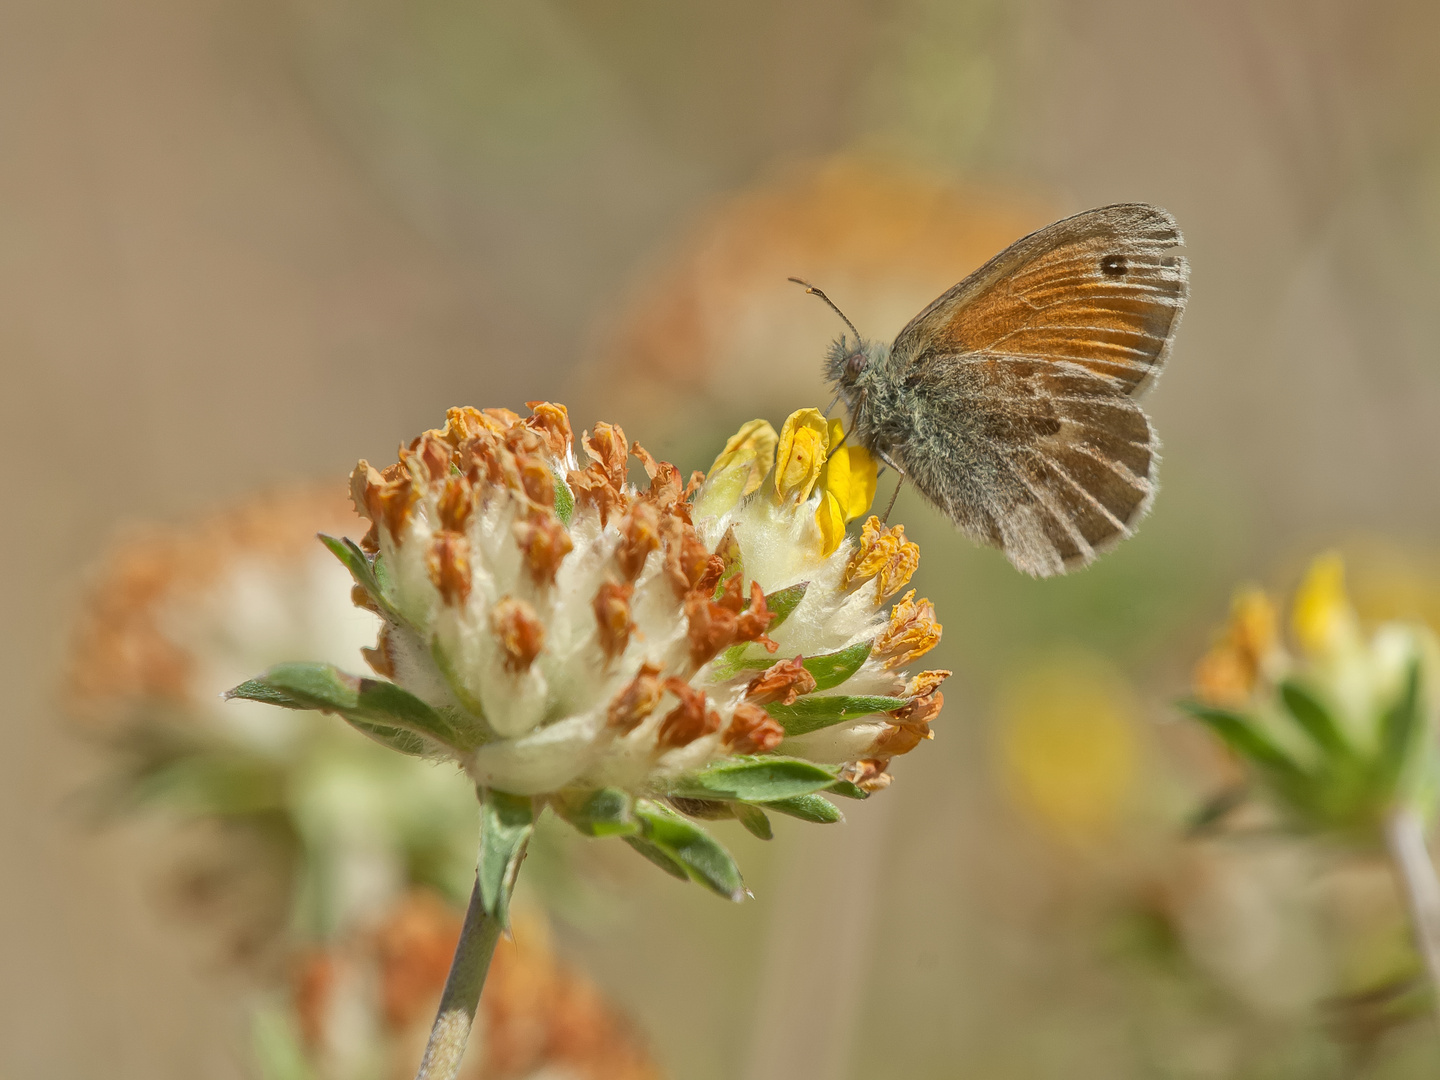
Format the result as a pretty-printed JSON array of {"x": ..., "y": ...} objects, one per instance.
[
  {"x": 1340, "y": 731},
  {"x": 715, "y": 327}
]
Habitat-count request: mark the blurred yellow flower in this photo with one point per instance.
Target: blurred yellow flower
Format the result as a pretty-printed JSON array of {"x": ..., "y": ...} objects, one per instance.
[
  {"x": 1068, "y": 747},
  {"x": 1322, "y": 618}
]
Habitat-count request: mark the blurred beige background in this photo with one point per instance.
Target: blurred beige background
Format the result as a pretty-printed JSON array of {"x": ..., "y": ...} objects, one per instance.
[{"x": 243, "y": 244}]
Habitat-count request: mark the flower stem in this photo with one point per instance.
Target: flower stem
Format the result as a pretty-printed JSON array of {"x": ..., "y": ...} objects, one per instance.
[
  {"x": 1405, "y": 836},
  {"x": 462, "y": 992}
]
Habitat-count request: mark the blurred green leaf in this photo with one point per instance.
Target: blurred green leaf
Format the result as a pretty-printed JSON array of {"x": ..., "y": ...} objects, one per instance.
[
  {"x": 757, "y": 779},
  {"x": 372, "y": 705},
  {"x": 754, "y": 820},
  {"x": 847, "y": 790},
  {"x": 605, "y": 812},
  {"x": 1398, "y": 728},
  {"x": 659, "y": 856},
  {"x": 1314, "y": 718},
  {"x": 704, "y": 860},
  {"x": 814, "y": 808},
  {"x": 813, "y": 713},
  {"x": 1240, "y": 735},
  {"x": 506, "y": 822}
]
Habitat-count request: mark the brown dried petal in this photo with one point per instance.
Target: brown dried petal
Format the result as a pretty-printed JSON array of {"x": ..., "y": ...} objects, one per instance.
[
  {"x": 885, "y": 554},
  {"x": 900, "y": 739},
  {"x": 689, "y": 720},
  {"x": 752, "y": 730},
  {"x": 612, "y": 614},
  {"x": 448, "y": 561},
  {"x": 926, "y": 682},
  {"x": 920, "y": 710},
  {"x": 591, "y": 487},
  {"x": 665, "y": 487},
  {"x": 382, "y": 657},
  {"x": 687, "y": 560},
  {"x": 544, "y": 542},
  {"x": 782, "y": 682},
  {"x": 639, "y": 536},
  {"x": 637, "y": 701},
  {"x": 521, "y": 633},
  {"x": 756, "y": 619},
  {"x": 552, "y": 422},
  {"x": 313, "y": 985},
  {"x": 697, "y": 478},
  {"x": 433, "y": 453},
  {"x": 912, "y": 632},
  {"x": 711, "y": 627},
  {"x": 868, "y": 774},
  {"x": 384, "y": 497},
  {"x": 457, "y": 501},
  {"x": 607, "y": 446}
]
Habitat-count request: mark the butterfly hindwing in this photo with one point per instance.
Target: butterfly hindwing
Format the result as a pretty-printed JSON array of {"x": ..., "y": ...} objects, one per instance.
[{"x": 1059, "y": 463}]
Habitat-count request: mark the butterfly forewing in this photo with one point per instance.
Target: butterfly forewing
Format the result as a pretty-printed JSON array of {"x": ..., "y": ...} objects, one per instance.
[
  {"x": 1024, "y": 372},
  {"x": 1103, "y": 289}
]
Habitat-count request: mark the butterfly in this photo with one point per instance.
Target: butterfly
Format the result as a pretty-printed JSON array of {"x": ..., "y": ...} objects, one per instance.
[{"x": 1009, "y": 402}]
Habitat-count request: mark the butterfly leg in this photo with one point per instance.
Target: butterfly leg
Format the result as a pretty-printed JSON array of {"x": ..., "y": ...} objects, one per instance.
[{"x": 899, "y": 484}]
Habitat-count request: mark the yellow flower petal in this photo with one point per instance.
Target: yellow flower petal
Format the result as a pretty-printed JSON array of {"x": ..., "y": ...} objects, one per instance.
[
  {"x": 753, "y": 446},
  {"x": 831, "y": 519},
  {"x": 849, "y": 474},
  {"x": 739, "y": 469},
  {"x": 804, "y": 440},
  {"x": 1322, "y": 617}
]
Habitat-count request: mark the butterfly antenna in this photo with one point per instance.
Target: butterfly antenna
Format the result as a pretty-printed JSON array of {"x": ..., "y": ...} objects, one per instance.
[{"x": 812, "y": 289}]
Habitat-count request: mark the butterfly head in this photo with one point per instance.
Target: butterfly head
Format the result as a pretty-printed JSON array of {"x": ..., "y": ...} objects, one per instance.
[{"x": 849, "y": 361}]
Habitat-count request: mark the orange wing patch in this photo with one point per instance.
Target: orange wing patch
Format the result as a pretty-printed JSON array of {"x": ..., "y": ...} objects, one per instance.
[{"x": 1103, "y": 289}]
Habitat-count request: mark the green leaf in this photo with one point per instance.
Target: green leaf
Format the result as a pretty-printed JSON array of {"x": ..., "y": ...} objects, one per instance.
[
  {"x": 783, "y": 602},
  {"x": 1398, "y": 728},
  {"x": 361, "y": 569},
  {"x": 506, "y": 822},
  {"x": 605, "y": 812},
  {"x": 814, "y": 808},
  {"x": 704, "y": 860},
  {"x": 757, "y": 779},
  {"x": 1314, "y": 718},
  {"x": 406, "y": 742},
  {"x": 828, "y": 669},
  {"x": 832, "y": 669},
  {"x": 659, "y": 857},
  {"x": 813, "y": 713},
  {"x": 369, "y": 704},
  {"x": 1244, "y": 738},
  {"x": 848, "y": 790},
  {"x": 564, "y": 499},
  {"x": 754, "y": 820}
]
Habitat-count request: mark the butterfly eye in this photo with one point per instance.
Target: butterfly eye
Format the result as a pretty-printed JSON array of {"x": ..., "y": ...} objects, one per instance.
[
  {"x": 855, "y": 365},
  {"x": 1114, "y": 266}
]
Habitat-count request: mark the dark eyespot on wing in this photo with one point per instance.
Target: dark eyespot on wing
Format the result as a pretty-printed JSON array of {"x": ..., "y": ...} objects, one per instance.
[{"x": 1113, "y": 266}]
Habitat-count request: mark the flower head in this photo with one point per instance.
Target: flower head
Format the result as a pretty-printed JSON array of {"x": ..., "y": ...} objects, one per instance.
[
  {"x": 617, "y": 651},
  {"x": 1338, "y": 732}
]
